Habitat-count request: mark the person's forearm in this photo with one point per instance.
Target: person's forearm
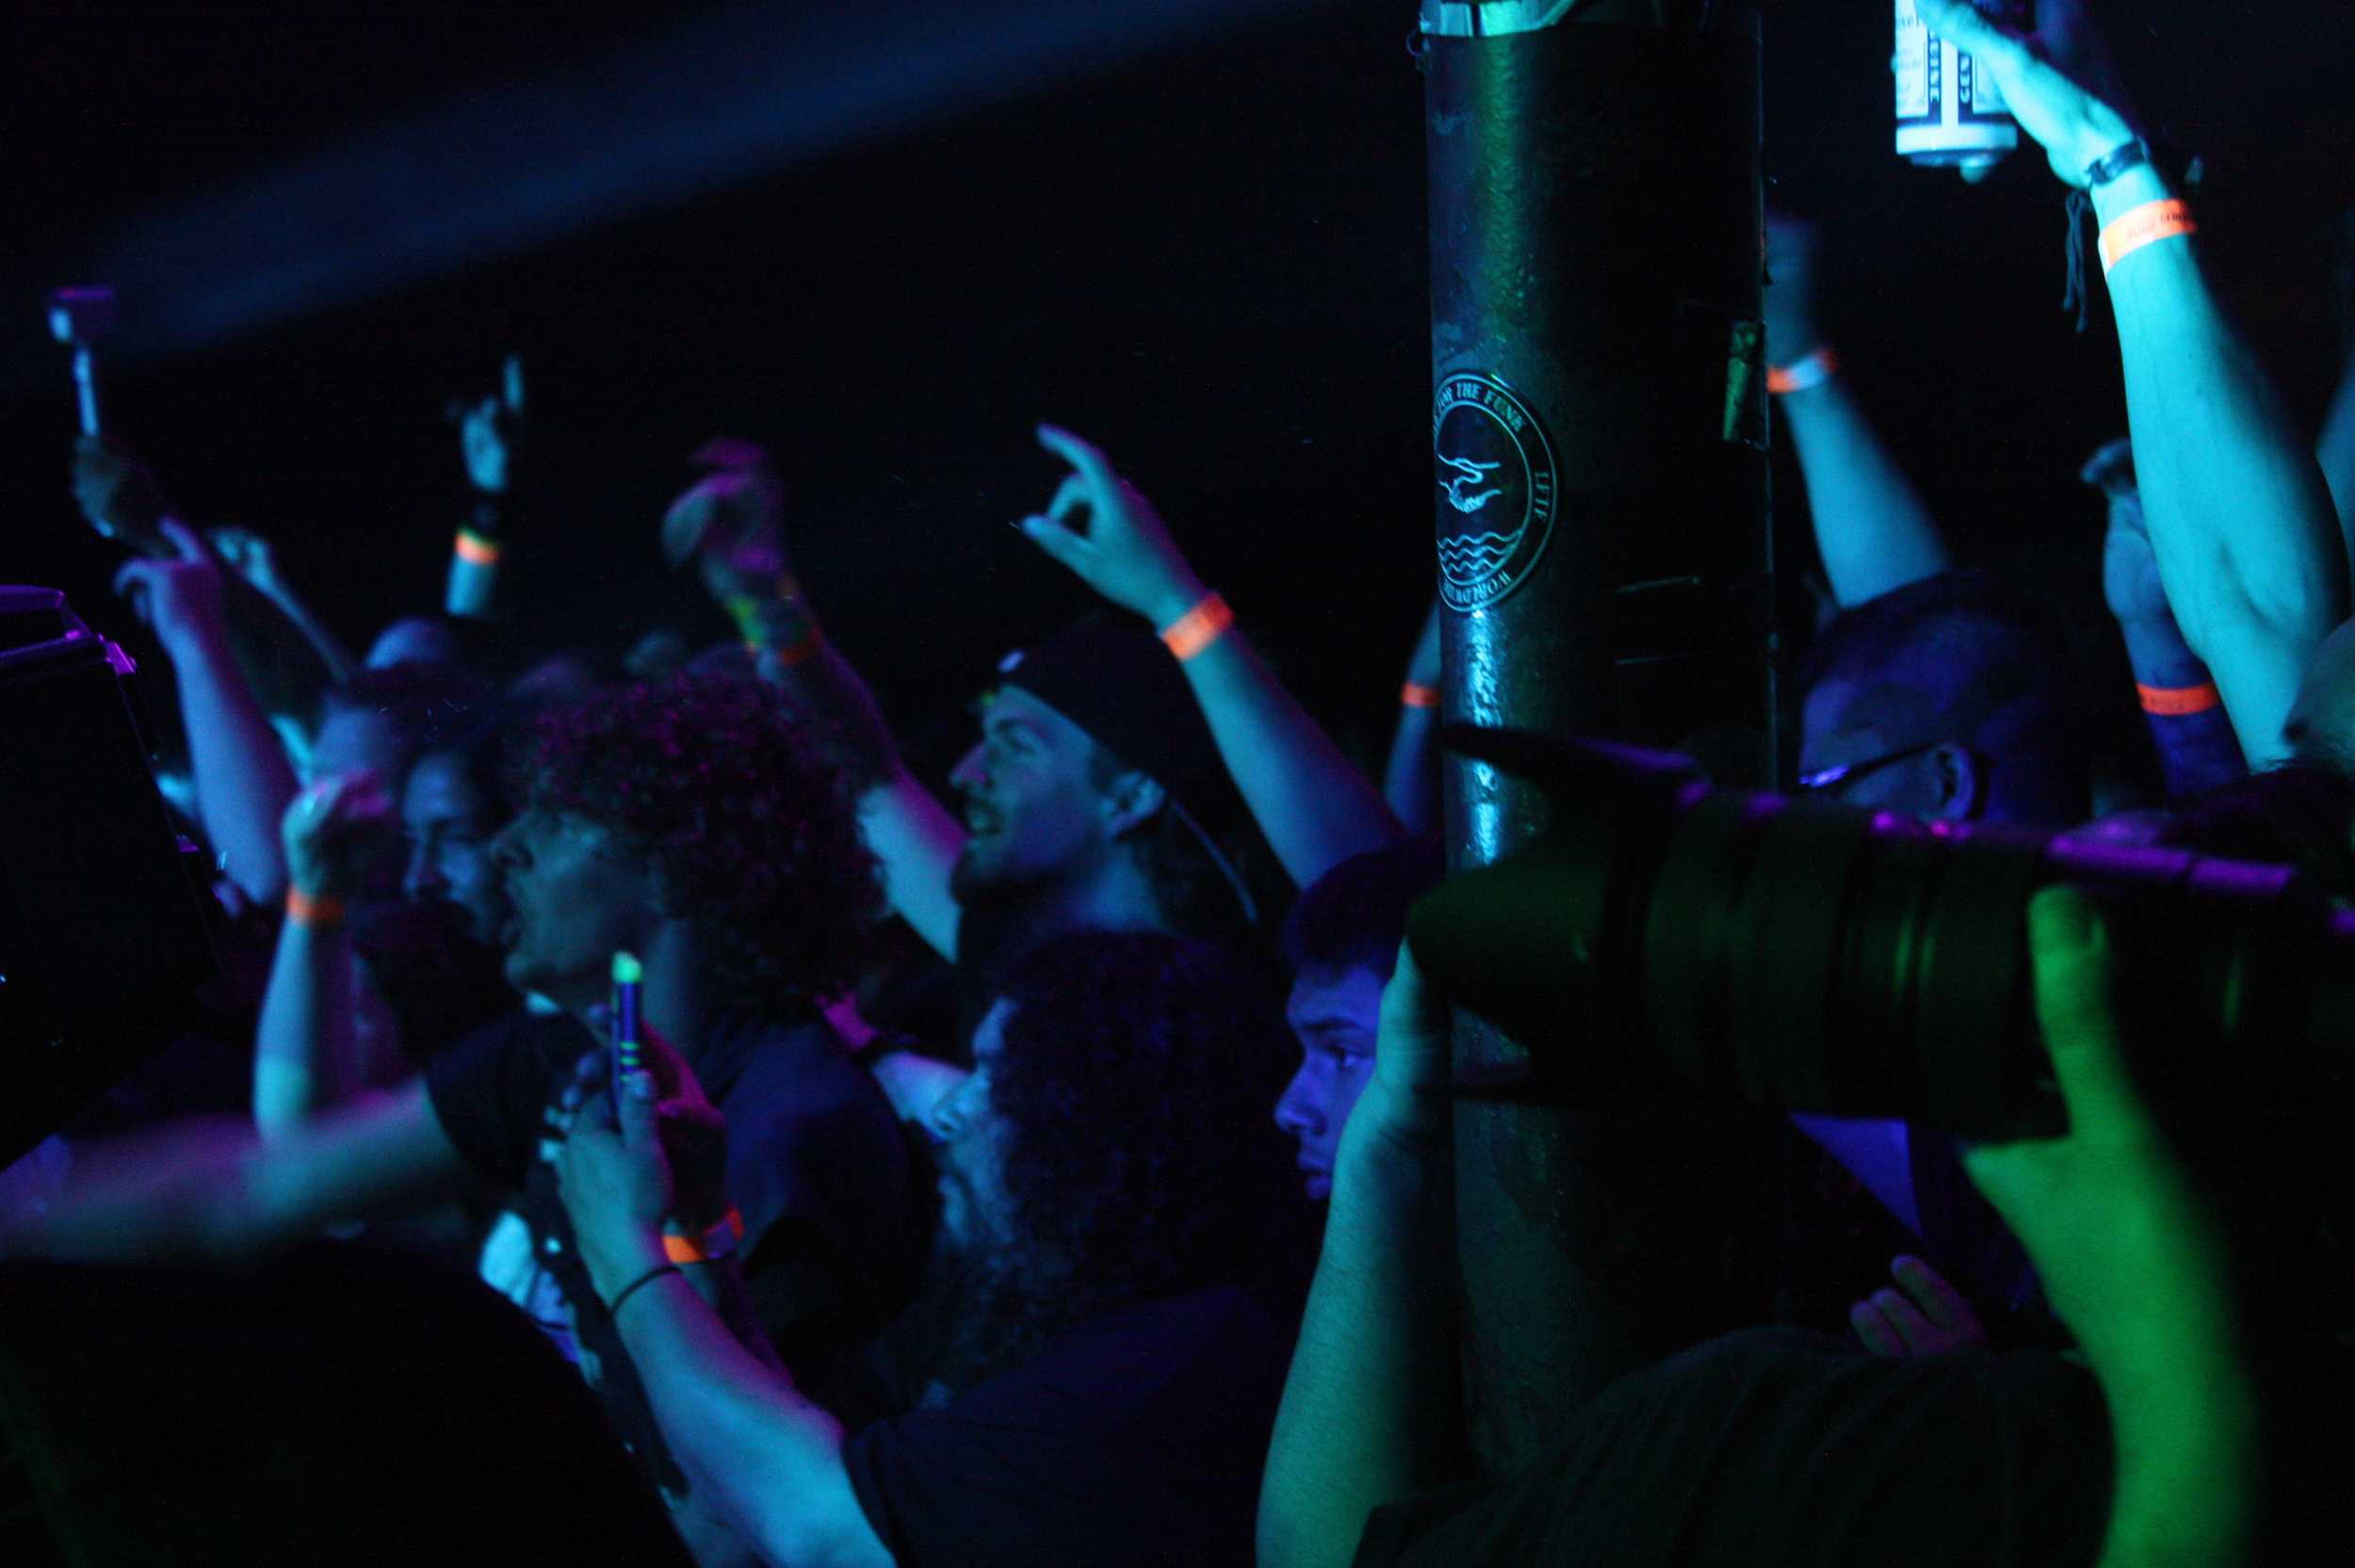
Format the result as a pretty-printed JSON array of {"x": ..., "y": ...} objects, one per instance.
[
  {"x": 1872, "y": 527},
  {"x": 305, "y": 1050},
  {"x": 340, "y": 664},
  {"x": 2188, "y": 1479},
  {"x": 911, "y": 833},
  {"x": 764, "y": 1458},
  {"x": 1315, "y": 808},
  {"x": 1368, "y": 1406},
  {"x": 2189, "y": 728},
  {"x": 918, "y": 842},
  {"x": 2334, "y": 450},
  {"x": 243, "y": 779},
  {"x": 2246, "y": 540},
  {"x": 2185, "y": 1431},
  {"x": 473, "y": 586},
  {"x": 1410, "y": 779},
  {"x": 474, "y": 560}
]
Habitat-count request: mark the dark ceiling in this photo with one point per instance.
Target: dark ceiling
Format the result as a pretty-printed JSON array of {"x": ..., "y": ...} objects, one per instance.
[{"x": 1208, "y": 255}]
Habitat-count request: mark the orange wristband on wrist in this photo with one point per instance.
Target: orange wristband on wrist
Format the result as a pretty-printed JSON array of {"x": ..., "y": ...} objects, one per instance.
[
  {"x": 2179, "y": 701},
  {"x": 474, "y": 550},
  {"x": 1415, "y": 695},
  {"x": 1198, "y": 627},
  {"x": 304, "y": 909},
  {"x": 716, "y": 1242},
  {"x": 2153, "y": 221},
  {"x": 1808, "y": 370}
]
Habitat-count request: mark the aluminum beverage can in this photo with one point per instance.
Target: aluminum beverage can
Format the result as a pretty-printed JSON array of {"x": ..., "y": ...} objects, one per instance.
[{"x": 1950, "y": 114}]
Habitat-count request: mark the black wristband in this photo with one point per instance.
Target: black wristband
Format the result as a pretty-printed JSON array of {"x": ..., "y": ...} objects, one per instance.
[
  {"x": 613, "y": 1308},
  {"x": 2129, "y": 155}
]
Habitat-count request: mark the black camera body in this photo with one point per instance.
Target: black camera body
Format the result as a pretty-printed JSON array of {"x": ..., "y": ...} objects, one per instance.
[{"x": 1819, "y": 957}]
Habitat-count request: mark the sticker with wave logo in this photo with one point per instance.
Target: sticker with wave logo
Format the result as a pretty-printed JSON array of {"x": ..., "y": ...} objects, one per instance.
[{"x": 1496, "y": 485}]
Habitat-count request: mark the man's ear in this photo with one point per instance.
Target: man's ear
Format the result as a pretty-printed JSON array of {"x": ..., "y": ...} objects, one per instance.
[
  {"x": 1960, "y": 781},
  {"x": 1131, "y": 801}
]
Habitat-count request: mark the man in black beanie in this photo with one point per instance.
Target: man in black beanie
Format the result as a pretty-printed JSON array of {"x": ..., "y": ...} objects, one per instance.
[
  {"x": 1086, "y": 800},
  {"x": 1111, "y": 761}
]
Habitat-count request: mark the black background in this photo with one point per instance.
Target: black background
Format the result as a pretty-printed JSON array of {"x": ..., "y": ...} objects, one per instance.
[{"x": 1210, "y": 262}]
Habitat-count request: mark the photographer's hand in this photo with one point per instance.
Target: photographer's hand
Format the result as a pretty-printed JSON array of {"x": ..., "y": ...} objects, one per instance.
[{"x": 2134, "y": 1260}]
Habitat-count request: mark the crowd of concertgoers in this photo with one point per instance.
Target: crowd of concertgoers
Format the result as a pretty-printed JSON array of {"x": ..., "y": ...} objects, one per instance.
[{"x": 1061, "y": 1173}]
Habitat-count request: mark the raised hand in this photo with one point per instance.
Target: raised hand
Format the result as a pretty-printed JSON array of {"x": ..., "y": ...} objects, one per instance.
[
  {"x": 694, "y": 1135},
  {"x": 2119, "y": 1235},
  {"x": 1111, "y": 537},
  {"x": 614, "y": 1178},
  {"x": 488, "y": 428},
  {"x": 118, "y": 493},
  {"x": 248, "y": 554},
  {"x": 181, "y": 597},
  {"x": 1792, "y": 327},
  {"x": 1923, "y": 1317},
  {"x": 1404, "y": 1105},
  {"x": 731, "y": 522},
  {"x": 327, "y": 831},
  {"x": 2057, "y": 80}
]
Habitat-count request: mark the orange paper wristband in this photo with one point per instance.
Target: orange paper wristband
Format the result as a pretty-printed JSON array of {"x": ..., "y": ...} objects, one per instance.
[
  {"x": 474, "y": 550},
  {"x": 2153, "y": 221},
  {"x": 1198, "y": 627},
  {"x": 716, "y": 1242},
  {"x": 305, "y": 909},
  {"x": 2176, "y": 702},
  {"x": 1807, "y": 371},
  {"x": 1418, "y": 695}
]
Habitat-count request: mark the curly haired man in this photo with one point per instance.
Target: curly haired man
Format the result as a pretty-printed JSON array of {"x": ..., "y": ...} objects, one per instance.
[
  {"x": 693, "y": 824},
  {"x": 1106, "y": 1179}
]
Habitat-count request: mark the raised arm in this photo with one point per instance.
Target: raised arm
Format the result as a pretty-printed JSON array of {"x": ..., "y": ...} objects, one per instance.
[
  {"x": 243, "y": 779},
  {"x": 1872, "y": 528},
  {"x": 487, "y": 436},
  {"x": 1316, "y": 809},
  {"x": 766, "y": 1460},
  {"x": 306, "y": 1051},
  {"x": 2247, "y": 539},
  {"x": 1410, "y": 777},
  {"x": 250, "y": 555},
  {"x": 2334, "y": 447},
  {"x": 731, "y": 525},
  {"x": 1369, "y": 1411},
  {"x": 2189, "y": 728},
  {"x": 209, "y": 1190}
]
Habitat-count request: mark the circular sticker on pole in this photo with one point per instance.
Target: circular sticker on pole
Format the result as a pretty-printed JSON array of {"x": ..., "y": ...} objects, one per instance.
[{"x": 1496, "y": 488}]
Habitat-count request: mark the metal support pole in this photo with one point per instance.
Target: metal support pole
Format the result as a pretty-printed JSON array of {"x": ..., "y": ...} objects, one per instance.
[{"x": 1600, "y": 436}]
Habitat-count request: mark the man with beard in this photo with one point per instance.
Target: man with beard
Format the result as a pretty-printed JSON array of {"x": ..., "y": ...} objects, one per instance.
[
  {"x": 1106, "y": 1170},
  {"x": 1111, "y": 754},
  {"x": 691, "y": 824}
]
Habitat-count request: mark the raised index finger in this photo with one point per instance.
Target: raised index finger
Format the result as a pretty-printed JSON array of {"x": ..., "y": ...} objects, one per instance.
[{"x": 1092, "y": 465}]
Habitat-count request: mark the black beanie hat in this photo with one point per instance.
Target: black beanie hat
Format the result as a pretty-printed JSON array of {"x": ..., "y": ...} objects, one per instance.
[{"x": 1117, "y": 682}]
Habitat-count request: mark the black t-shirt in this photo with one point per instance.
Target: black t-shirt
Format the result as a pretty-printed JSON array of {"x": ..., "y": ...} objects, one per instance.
[
  {"x": 837, "y": 1216},
  {"x": 1134, "y": 1438},
  {"x": 1778, "y": 1448}
]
